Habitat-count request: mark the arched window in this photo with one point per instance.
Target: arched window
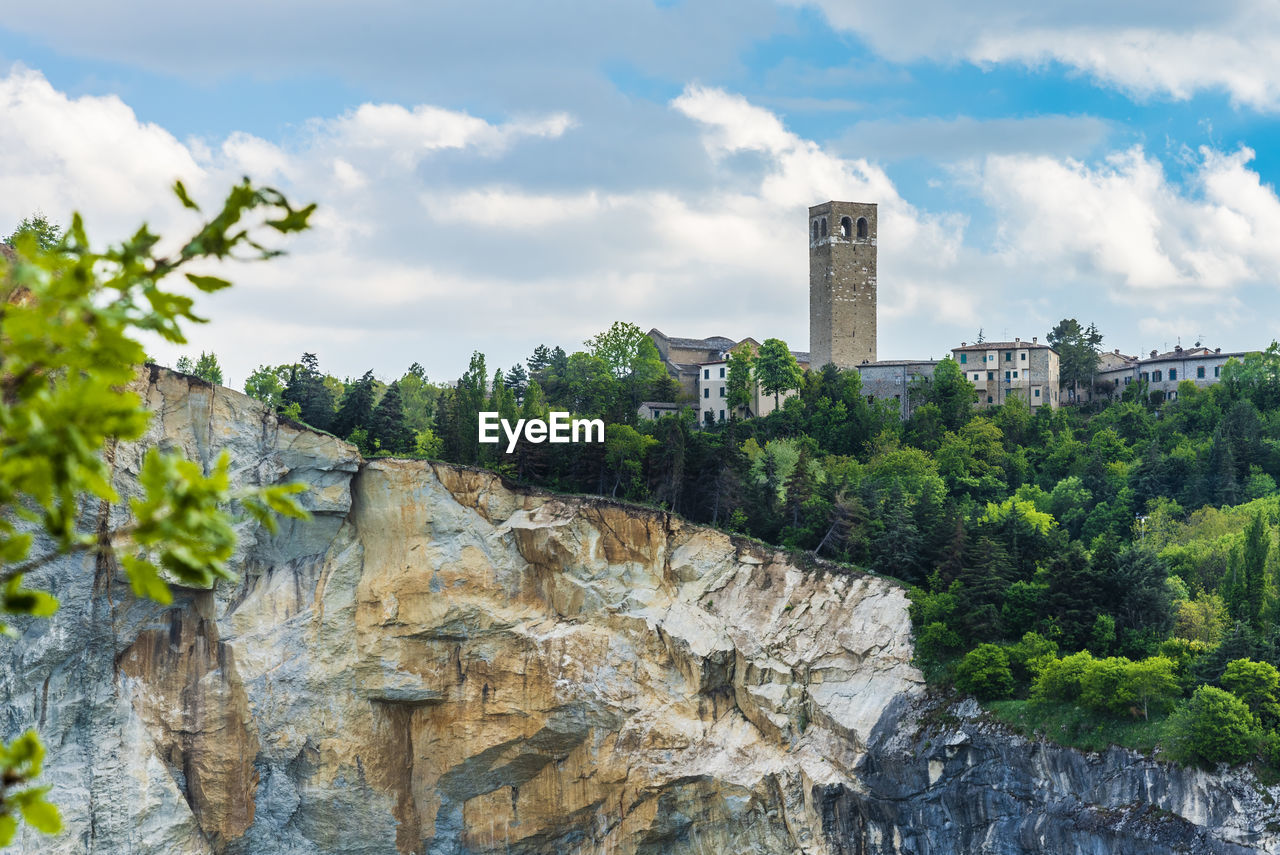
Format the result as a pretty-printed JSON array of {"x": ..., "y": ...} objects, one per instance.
[
  {"x": 815, "y": 229},
  {"x": 862, "y": 227},
  {"x": 846, "y": 227},
  {"x": 824, "y": 226}
]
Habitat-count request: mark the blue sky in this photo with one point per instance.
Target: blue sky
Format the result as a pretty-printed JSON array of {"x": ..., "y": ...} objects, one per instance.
[{"x": 492, "y": 177}]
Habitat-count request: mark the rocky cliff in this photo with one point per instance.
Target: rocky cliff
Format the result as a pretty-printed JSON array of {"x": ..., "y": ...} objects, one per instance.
[{"x": 439, "y": 663}]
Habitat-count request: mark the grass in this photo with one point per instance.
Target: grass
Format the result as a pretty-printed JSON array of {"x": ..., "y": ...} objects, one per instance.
[{"x": 1073, "y": 726}]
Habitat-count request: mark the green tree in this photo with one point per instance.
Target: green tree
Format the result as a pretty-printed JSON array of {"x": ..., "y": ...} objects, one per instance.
[
  {"x": 984, "y": 672},
  {"x": 306, "y": 388},
  {"x": 777, "y": 369},
  {"x": 1257, "y": 684},
  {"x": 67, "y": 354},
  {"x": 47, "y": 235},
  {"x": 267, "y": 384},
  {"x": 1152, "y": 683},
  {"x": 739, "y": 384},
  {"x": 419, "y": 396},
  {"x": 1257, "y": 544},
  {"x": 952, "y": 393},
  {"x": 1077, "y": 348},
  {"x": 386, "y": 425},
  {"x": 207, "y": 368},
  {"x": 356, "y": 408},
  {"x": 1213, "y": 727},
  {"x": 625, "y": 449}
]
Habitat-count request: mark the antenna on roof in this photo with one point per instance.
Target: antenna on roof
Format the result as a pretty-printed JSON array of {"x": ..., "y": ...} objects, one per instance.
[{"x": 1199, "y": 338}]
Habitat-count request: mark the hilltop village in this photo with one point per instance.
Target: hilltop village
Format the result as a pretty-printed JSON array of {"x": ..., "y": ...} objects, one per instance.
[{"x": 842, "y": 331}]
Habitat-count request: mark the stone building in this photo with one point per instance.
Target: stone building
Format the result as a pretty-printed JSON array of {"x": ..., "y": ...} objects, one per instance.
[
  {"x": 1162, "y": 372},
  {"x": 1001, "y": 370},
  {"x": 713, "y": 391},
  {"x": 842, "y": 283},
  {"x": 894, "y": 379},
  {"x": 684, "y": 356}
]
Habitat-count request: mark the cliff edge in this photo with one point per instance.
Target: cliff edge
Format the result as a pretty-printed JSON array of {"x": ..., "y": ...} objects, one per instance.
[{"x": 440, "y": 663}]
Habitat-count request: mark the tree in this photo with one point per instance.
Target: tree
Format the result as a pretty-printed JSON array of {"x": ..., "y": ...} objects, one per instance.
[
  {"x": 1257, "y": 684},
  {"x": 386, "y": 424},
  {"x": 356, "y": 408},
  {"x": 952, "y": 393},
  {"x": 46, "y": 234},
  {"x": 67, "y": 355},
  {"x": 306, "y": 388},
  {"x": 419, "y": 396},
  {"x": 1152, "y": 684},
  {"x": 1213, "y": 727},
  {"x": 984, "y": 672},
  {"x": 738, "y": 383},
  {"x": 207, "y": 368},
  {"x": 1257, "y": 543},
  {"x": 267, "y": 384},
  {"x": 1077, "y": 353},
  {"x": 777, "y": 369}
]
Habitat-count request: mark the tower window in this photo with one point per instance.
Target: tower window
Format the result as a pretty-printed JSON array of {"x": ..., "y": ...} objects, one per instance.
[
  {"x": 862, "y": 227},
  {"x": 846, "y": 227},
  {"x": 824, "y": 226},
  {"x": 815, "y": 229}
]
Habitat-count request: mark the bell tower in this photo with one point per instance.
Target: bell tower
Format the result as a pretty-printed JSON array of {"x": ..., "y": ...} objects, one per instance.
[{"x": 842, "y": 284}]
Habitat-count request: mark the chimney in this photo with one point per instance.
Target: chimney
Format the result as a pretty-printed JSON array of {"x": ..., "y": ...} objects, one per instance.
[
  {"x": 1116, "y": 351},
  {"x": 1217, "y": 350},
  {"x": 1177, "y": 348},
  {"x": 964, "y": 344},
  {"x": 1153, "y": 354},
  {"x": 1016, "y": 338},
  {"x": 1033, "y": 339}
]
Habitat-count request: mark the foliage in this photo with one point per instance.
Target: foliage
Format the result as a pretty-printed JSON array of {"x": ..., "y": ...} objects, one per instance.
[
  {"x": 1213, "y": 727},
  {"x": 984, "y": 671},
  {"x": 67, "y": 356},
  {"x": 1077, "y": 348},
  {"x": 776, "y": 368}
]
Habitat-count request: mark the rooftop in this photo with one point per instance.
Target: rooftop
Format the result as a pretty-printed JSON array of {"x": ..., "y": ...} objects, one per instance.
[{"x": 1016, "y": 344}]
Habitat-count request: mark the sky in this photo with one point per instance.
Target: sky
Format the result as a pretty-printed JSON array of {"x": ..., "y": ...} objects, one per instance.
[{"x": 495, "y": 176}]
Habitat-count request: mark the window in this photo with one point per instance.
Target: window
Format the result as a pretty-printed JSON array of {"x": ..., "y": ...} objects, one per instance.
[
  {"x": 988, "y": 399},
  {"x": 722, "y": 415},
  {"x": 722, "y": 371},
  {"x": 1037, "y": 393},
  {"x": 706, "y": 374},
  {"x": 846, "y": 227},
  {"x": 862, "y": 227},
  {"x": 706, "y": 393},
  {"x": 1173, "y": 396},
  {"x": 1015, "y": 375},
  {"x": 1216, "y": 369},
  {"x": 991, "y": 375},
  {"x": 1008, "y": 357},
  {"x": 976, "y": 377},
  {"x": 1156, "y": 376},
  {"x": 815, "y": 229},
  {"x": 964, "y": 357},
  {"x": 1199, "y": 372},
  {"x": 824, "y": 226},
  {"x": 1173, "y": 374},
  {"x": 721, "y": 391},
  {"x": 1128, "y": 380},
  {"x": 1022, "y": 356}
]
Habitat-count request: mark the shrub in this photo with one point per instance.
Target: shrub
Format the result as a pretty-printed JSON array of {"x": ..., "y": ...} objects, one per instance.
[
  {"x": 1256, "y": 684},
  {"x": 984, "y": 672},
  {"x": 1213, "y": 727},
  {"x": 1059, "y": 680}
]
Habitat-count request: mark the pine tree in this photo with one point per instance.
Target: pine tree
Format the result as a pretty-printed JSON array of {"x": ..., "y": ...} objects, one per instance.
[
  {"x": 539, "y": 362},
  {"x": 387, "y": 426},
  {"x": 517, "y": 380},
  {"x": 307, "y": 389},
  {"x": 356, "y": 408}
]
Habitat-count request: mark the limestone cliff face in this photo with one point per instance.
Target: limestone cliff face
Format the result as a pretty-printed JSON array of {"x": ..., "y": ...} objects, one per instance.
[{"x": 438, "y": 663}]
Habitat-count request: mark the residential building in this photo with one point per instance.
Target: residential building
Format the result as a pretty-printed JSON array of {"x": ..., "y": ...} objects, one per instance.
[{"x": 1001, "y": 370}]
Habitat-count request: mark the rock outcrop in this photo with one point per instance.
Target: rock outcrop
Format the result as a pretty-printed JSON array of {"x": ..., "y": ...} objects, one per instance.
[{"x": 439, "y": 663}]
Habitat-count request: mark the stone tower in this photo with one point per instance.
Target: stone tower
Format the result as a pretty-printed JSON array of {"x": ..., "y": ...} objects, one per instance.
[{"x": 842, "y": 284}]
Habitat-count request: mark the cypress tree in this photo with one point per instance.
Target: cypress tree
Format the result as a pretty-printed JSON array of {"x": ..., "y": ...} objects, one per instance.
[{"x": 357, "y": 406}]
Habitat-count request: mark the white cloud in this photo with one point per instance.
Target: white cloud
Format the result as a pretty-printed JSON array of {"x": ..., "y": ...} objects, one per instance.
[
  {"x": 425, "y": 247},
  {"x": 1168, "y": 49},
  {"x": 1125, "y": 221}
]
